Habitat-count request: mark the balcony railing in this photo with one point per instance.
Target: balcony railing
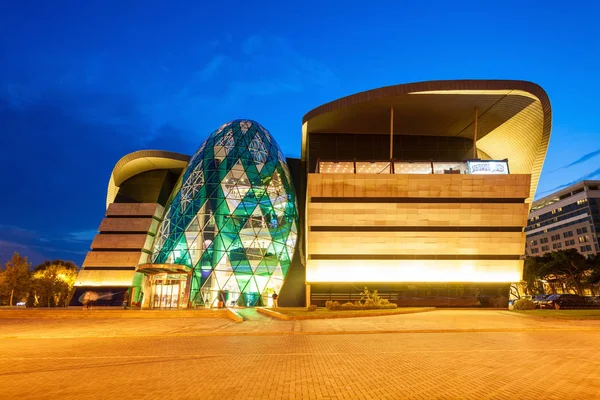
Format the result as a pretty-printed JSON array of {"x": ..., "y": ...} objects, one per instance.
[{"x": 412, "y": 167}]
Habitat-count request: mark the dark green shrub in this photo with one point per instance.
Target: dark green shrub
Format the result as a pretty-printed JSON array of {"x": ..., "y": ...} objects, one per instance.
[
  {"x": 312, "y": 307},
  {"x": 333, "y": 305},
  {"x": 524, "y": 304}
]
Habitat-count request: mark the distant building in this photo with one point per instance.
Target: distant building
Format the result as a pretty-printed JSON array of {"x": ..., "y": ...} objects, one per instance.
[{"x": 567, "y": 219}]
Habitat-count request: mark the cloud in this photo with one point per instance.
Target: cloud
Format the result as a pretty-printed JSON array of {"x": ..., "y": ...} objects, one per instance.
[
  {"x": 209, "y": 71},
  {"x": 83, "y": 236},
  {"x": 580, "y": 160},
  {"x": 591, "y": 175}
]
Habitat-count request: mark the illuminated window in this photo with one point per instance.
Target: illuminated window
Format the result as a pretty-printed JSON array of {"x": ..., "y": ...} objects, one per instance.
[
  {"x": 584, "y": 239},
  {"x": 413, "y": 168},
  {"x": 336, "y": 167},
  {"x": 374, "y": 167}
]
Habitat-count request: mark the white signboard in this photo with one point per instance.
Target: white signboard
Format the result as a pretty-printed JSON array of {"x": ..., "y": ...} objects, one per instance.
[{"x": 487, "y": 167}]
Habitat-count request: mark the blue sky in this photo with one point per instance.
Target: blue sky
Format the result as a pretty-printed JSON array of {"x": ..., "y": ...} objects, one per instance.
[{"x": 84, "y": 83}]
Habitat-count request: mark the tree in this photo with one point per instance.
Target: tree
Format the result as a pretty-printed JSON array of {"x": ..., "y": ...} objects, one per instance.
[
  {"x": 532, "y": 268},
  {"x": 570, "y": 265},
  {"x": 16, "y": 278},
  {"x": 593, "y": 277},
  {"x": 53, "y": 282}
]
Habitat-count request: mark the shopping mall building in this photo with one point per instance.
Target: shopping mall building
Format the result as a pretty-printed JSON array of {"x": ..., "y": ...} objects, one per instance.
[{"x": 420, "y": 190}]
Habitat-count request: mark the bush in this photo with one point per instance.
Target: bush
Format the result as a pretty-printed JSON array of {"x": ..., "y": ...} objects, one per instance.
[
  {"x": 369, "y": 304},
  {"x": 333, "y": 305},
  {"x": 312, "y": 307},
  {"x": 524, "y": 304}
]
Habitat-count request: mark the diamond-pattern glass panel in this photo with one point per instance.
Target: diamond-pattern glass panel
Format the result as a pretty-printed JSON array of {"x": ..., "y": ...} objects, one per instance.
[{"x": 233, "y": 219}]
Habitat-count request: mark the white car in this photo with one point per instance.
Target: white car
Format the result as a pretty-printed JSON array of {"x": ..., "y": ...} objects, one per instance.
[{"x": 21, "y": 304}]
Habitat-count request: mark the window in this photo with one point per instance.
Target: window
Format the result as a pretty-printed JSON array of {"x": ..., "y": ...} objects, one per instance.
[
  {"x": 535, "y": 250},
  {"x": 569, "y": 242},
  {"x": 582, "y": 230},
  {"x": 534, "y": 242},
  {"x": 556, "y": 245},
  {"x": 586, "y": 248},
  {"x": 545, "y": 248},
  {"x": 568, "y": 234},
  {"x": 580, "y": 202},
  {"x": 584, "y": 239},
  {"x": 544, "y": 240},
  {"x": 555, "y": 237}
]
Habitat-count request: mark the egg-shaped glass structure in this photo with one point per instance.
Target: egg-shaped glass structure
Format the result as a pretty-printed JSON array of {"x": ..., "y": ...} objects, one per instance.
[{"x": 233, "y": 218}]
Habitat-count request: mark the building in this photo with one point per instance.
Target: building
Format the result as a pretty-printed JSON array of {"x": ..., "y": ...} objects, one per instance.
[
  {"x": 566, "y": 219},
  {"x": 421, "y": 191},
  {"x": 219, "y": 228}
]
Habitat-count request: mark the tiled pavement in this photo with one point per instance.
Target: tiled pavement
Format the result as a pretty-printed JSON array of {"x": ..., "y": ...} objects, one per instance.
[{"x": 212, "y": 358}]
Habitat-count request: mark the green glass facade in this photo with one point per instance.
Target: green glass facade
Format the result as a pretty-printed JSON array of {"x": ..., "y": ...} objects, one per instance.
[{"x": 232, "y": 218}]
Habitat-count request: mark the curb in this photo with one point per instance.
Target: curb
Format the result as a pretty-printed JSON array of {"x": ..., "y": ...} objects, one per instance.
[
  {"x": 233, "y": 315},
  {"x": 382, "y": 313},
  {"x": 310, "y": 333}
]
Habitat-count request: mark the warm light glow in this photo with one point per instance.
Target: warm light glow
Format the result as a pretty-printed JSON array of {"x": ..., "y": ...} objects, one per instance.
[
  {"x": 413, "y": 271},
  {"x": 104, "y": 278}
]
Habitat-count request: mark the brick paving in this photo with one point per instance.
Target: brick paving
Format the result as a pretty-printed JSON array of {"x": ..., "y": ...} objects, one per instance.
[{"x": 268, "y": 359}]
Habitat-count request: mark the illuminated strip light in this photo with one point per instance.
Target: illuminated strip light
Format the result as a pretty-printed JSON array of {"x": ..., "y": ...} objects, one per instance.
[{"x": 493, "y": 271}]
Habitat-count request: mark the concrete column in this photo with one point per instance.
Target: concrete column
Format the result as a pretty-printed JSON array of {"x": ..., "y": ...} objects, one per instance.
[{"x": 307, "y": 294}]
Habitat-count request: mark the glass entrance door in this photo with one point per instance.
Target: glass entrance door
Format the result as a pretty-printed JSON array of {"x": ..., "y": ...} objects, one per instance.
[
  {"x": 165, "y": 295},
  {"x": 168, "y": 292}
]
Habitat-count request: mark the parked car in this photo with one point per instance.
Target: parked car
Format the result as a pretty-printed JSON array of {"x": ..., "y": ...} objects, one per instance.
[
  {"x": 558, "y": 301},
  {"x": 594, "y": 300},
  {"x": 539, "y": 298}
]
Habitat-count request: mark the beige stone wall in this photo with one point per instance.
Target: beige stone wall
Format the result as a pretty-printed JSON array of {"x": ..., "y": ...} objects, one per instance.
[
  {"x": 417, "y": 214},
  {"x": 104, "y": 278},
  {"x": 371, "y": 185},
  {"x": 481, "y": 207},
  {"x": 135, "y": 209},
  {"x": 407, "y": 243},
  {"x": 137, "y": 224},
  {"x": 120, "y": 241},
  {"x": 125, "y": 225},
  {"x": 114, "y": 258}
]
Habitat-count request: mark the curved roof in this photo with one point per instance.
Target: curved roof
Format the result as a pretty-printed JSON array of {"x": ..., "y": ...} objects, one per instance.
[
  {"x": 141, "y": 161},
  {"x": 515, "y": 117}
]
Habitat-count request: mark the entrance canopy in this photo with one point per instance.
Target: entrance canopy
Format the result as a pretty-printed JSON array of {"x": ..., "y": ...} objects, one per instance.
[{"x": 153, "y": 269}]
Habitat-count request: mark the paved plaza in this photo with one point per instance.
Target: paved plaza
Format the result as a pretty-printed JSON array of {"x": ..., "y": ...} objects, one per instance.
[{"x": 451, "y": 354}]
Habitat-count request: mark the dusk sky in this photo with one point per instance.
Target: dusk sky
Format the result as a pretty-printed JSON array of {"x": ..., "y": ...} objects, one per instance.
[{"x": 83, "y": 83}]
